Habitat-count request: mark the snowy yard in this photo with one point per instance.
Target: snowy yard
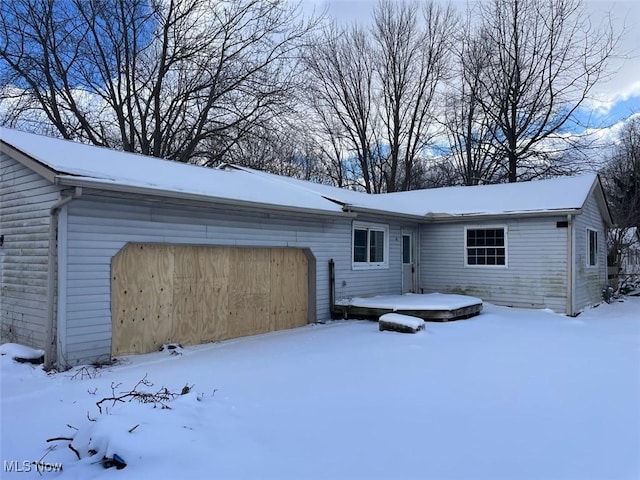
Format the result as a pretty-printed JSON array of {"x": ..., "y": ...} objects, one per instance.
[{"x": 510, "y": 394}]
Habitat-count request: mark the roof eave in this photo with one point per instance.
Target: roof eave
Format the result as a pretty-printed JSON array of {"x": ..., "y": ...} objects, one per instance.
[
  {"x": 601, "y": 199},
  {"x": 387, "y": 213},
  {"x": 68, "y": 180},
  {"x": 448, "y": 218},
  {"x": 29, "y": 161},
  {"x": 445, "y": 217}
]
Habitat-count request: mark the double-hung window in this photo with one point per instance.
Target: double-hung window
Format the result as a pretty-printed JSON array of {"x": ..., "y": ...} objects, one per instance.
[
  {"x": 370, "y": 245},
  {"x": 486, "y": 246},
  {"x": 592, "y": 248}
]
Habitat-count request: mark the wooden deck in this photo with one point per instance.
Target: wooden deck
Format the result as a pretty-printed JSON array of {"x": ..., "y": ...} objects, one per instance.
[{"x": 433, "y": 314}]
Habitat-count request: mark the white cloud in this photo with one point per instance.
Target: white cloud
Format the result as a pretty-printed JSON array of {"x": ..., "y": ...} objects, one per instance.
[{"x": 606, "y": 101}]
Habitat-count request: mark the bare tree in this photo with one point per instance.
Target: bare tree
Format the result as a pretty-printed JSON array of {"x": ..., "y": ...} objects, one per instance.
[
  {"x": 621, "y": 179},
  {"x": 544, "y": 58},
  {"x": 281, "y": 146},
  {"x": 180, "y": 79},
  {"x": 469, "y": 129},
  {"x": 342, "y": 78},
  {"x": 375, "y": 92},
  {"x": 411, "y": 62},
  {"x": 331, "y": 146}
]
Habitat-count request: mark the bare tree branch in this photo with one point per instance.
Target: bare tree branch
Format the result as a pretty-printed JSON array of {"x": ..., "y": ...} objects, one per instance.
[
  {"x": 544, "y": 58},
  {"x": 180, "y": 79}
]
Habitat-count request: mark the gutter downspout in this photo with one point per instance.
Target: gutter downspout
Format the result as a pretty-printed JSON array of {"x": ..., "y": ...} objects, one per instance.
[
  {"x": 340, "y": 312},
  {"x": 570, "y": 265},
  {"x": 50, "y": 338}
]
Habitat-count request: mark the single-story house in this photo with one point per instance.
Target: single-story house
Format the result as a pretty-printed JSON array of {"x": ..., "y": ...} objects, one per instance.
[{"x": 105, "y": 253}]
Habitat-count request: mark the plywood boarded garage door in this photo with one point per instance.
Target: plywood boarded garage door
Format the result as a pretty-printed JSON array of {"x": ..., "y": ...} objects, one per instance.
[{"x": 193, "y": 294}]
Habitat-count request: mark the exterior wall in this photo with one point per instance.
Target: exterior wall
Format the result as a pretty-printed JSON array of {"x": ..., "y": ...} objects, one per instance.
[
  {"x": 589, "y": 281},
  {"x": 96, "y": 228},
  {"x": 536, "y": 272},
  {"x": 25, "y": 199}
]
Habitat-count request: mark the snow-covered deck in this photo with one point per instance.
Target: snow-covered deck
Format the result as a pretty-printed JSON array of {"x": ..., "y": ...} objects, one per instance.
[{"x": 430, "y": 306}]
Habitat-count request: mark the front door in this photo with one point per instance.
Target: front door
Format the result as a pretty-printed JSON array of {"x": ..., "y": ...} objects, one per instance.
[{"x": 408, "y": 262}]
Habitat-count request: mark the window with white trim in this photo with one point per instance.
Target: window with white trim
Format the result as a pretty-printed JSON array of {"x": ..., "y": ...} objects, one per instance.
[
  {"x": 370, "y": 245},
  {"x": 592, "y": 248},
  {"x": 486, "y": 247}
]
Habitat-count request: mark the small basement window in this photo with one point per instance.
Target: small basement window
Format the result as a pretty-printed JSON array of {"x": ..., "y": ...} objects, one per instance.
[
  {"x": 592, "y": 248},
  {"x": 486, "y": 247},
  {"x": 370, "y": 245}
]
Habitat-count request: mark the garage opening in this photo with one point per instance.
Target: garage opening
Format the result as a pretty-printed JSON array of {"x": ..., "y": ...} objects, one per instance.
[{"x": 197, "y": 294}]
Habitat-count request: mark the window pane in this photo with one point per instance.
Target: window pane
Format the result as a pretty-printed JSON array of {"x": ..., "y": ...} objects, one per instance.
[
  {"x": 486, "y": 246},
  {"x": 490, "y": 235},
  {"x": 406, "y": 249},
  {"x": 593, "y": 247},
  {"x": 359, "y": 245},
  {"x": 376, "y": 246},
  {"x": 471, "y": 238}
]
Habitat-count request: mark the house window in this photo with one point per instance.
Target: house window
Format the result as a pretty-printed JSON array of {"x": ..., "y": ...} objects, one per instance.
[
  {"x": 407, "y": 253},
  {"x": 592, "y": 248},
  {"x": 370, "y": 243},
  {"x": 486, "y": 247}
]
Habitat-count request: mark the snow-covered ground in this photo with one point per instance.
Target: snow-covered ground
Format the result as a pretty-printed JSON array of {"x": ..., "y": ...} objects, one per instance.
[{"x": 509, "y": 394}]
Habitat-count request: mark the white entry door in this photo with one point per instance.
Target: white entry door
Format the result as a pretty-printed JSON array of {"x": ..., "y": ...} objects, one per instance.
[{"x": 408, "y": 262}]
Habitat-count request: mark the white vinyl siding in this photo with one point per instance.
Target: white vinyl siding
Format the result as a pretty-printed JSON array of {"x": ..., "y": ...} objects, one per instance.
[
  {"x": 25, "y": 200},
  {"x": 98, "y": 227},
  {"x": 537, "y": 263},
  {"x": 589, "y": 280}
]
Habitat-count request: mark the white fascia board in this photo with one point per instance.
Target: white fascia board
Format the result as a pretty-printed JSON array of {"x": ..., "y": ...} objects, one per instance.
[{"x": 447, "y": 218}]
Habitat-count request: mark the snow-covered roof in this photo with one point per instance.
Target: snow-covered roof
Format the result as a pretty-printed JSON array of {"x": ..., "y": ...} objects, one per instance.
[
  {"x": 74, "y": 163},
  {"x": 539, "y": 196},
  {"x": 87, "y": 165},
  {"x": 534, "y": 197}
]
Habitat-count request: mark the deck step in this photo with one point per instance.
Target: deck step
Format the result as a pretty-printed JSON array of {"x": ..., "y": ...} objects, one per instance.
[{"x": 397, "y": 322}]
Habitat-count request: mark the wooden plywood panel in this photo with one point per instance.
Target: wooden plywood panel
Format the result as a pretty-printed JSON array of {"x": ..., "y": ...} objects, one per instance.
[
  {"x": 248, "y": 315},
  {"x": 277, "y": 279},
  {"x": 249, "y": 297},
  {"x": 300, "y": 270},
  {"x": 213, "y": 293},
  {"x": 184, "y": 294},
  {"x": 196, "y": 294},
  {"x": 288, "y": 288},
  {"x": 141, "y": 295}
]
